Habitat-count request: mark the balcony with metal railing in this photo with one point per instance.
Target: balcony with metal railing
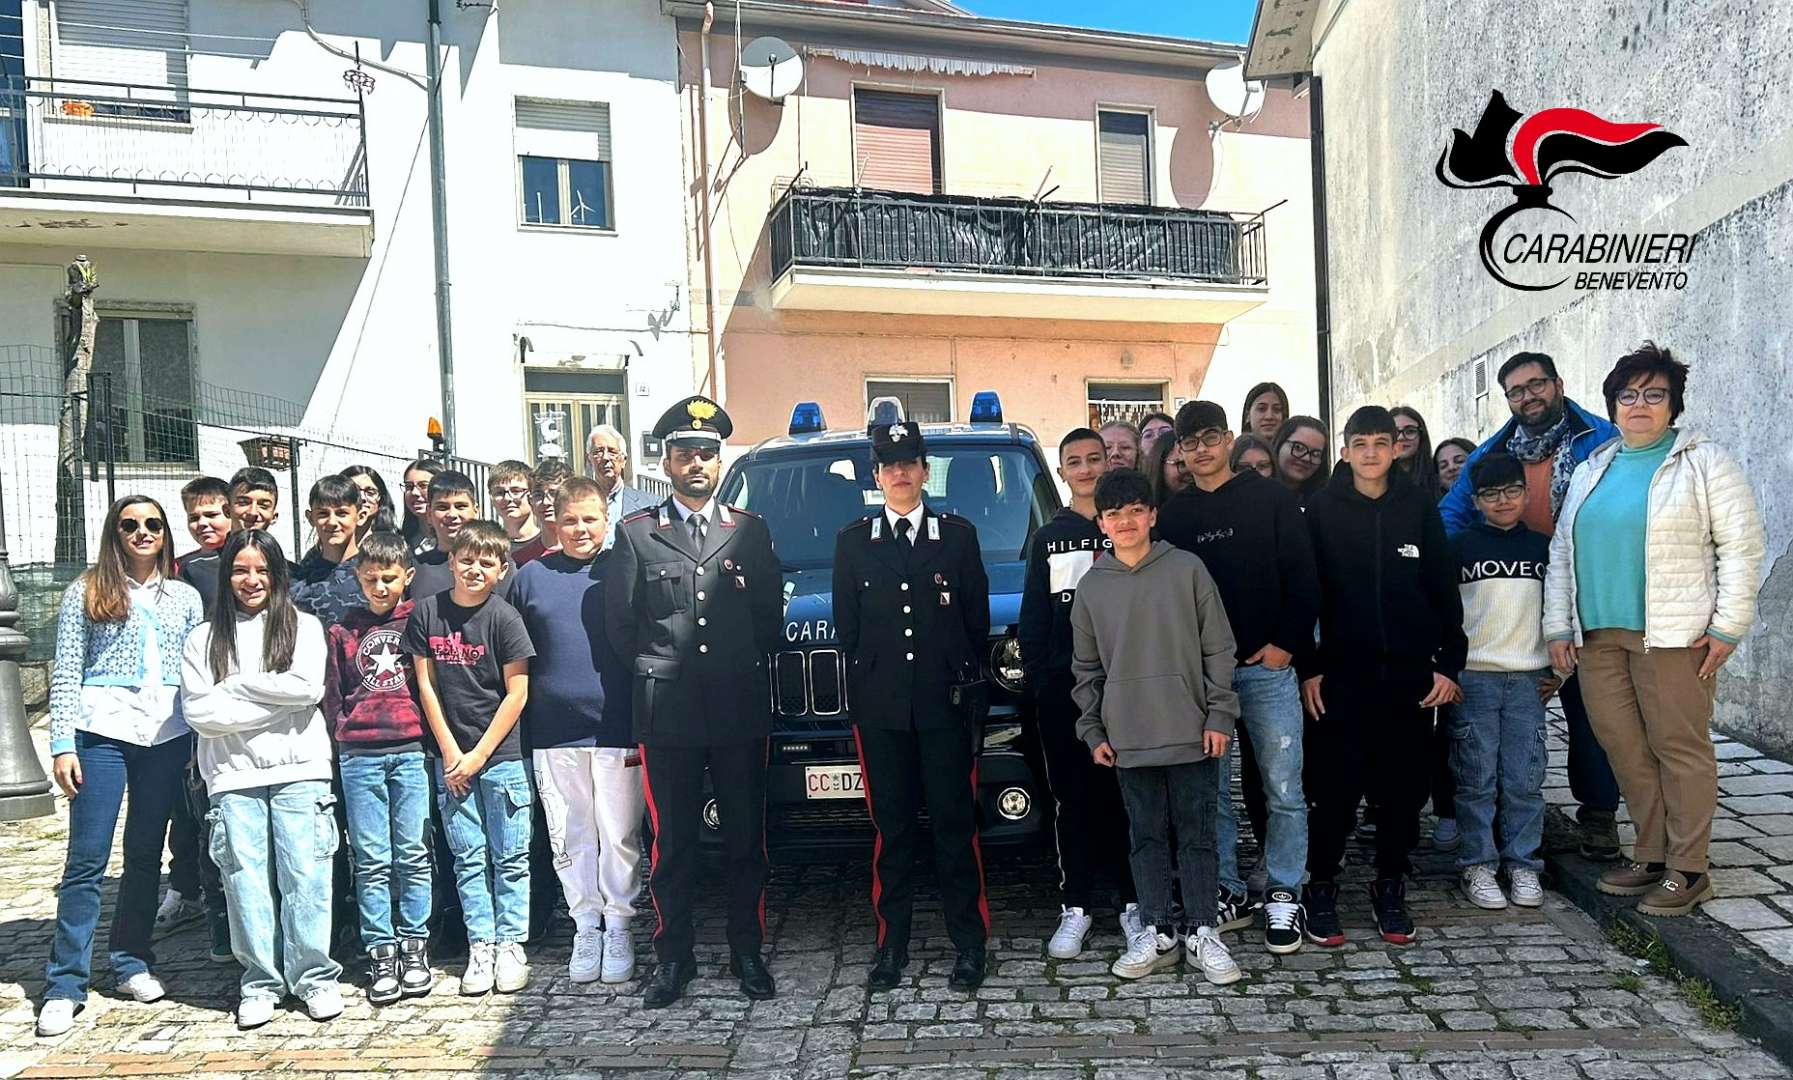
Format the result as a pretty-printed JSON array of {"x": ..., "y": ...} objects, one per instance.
[
  {"x": 139, "y": 166},
  {"x": 850, "y": 249}
]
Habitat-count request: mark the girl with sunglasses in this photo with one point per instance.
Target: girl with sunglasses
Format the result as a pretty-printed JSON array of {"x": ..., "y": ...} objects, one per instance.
[{"x": 116, "y": 726}]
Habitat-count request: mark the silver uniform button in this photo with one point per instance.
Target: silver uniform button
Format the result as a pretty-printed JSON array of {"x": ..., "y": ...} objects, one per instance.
[
  {"x": 905, "y": 609},
  {"x": 701, "y": 621},
  {"x": 703, "y": 648},
  {"x": 905, "y": 586},
  {"x": 700, "y": 571},
  {"x": 700, "y": 595},
  {"x": 908, "y": 632},
  {"x": 908, "y": 656}
]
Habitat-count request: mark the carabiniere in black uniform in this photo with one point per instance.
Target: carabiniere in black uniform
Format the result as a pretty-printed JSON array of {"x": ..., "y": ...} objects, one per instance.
[
  {"x": 694, "y": 602},
  {"x": 912, "y": 607}
]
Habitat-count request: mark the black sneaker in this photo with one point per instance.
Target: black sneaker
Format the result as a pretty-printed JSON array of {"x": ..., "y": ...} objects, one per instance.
[
  {"x": 383, "y": 987},
  {"x": 414, "y": 975},
  {"x": 218, "y": 925},
  {"x": 1321, "y": 899},
  {"x": 1388, "y": 898},
  {"x": 1285, "y": 922},
  {"x": 1234, "y": 911}
]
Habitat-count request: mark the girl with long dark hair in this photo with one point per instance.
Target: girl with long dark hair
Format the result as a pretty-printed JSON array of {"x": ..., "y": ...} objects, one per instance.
[
  {"x": 1413, "y": 449},
  {"x": 415, "y": 527},
  {"x": 251, "y": 680},
  {"x": 116, "y": 727},
  {"x": 1299, "y": 450},
  {"x": 377, "y": 512}
]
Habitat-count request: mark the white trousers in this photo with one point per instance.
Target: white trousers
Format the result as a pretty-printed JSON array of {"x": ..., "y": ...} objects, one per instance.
[{"x": 593, "y": 803}]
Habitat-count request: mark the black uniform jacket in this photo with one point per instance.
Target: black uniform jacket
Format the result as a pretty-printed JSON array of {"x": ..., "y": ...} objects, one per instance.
[
  {"x": 911, "y": 625},
  {"x": 696, "y": 625}
]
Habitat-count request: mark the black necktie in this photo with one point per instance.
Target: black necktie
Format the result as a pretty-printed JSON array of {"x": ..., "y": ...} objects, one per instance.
[
  {"x": 903, "y": 526},
  {"x": 697, "y": 529}
]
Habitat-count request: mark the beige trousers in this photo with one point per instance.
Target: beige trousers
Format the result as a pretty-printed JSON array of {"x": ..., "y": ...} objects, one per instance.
[{"x": 1652, "y": 713}]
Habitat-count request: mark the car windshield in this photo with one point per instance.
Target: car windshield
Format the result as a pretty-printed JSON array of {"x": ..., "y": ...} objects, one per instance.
[{"x": 807, "y": 495}]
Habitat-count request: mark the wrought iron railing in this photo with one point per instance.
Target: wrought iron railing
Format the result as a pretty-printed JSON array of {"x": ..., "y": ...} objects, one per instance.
[
  {"x": 73, "y": 135},
  {"x": 850, "y": 227}
]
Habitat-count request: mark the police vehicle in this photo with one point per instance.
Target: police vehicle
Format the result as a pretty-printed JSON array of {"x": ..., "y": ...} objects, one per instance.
[{"x": 806, "y": 486}]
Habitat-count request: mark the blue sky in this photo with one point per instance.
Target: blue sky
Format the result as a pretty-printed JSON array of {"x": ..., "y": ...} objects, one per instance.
[{"x": 1211, "y": 20}]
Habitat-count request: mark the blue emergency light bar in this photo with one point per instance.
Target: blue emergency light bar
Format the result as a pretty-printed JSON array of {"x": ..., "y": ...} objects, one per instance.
[
  {"x": 986, "y": 407},
  {"x": 807, "y": 417}
]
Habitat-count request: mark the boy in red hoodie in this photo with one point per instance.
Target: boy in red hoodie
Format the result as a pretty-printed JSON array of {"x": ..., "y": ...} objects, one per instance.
[{"x": 370, "y": 702}]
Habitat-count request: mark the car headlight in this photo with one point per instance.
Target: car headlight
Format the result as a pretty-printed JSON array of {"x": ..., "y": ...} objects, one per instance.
[{"x": 1005, "y": 665}]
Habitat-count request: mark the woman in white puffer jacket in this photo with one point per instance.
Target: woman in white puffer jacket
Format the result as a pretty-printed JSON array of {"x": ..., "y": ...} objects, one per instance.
[{"x": 1654, "y": 569}]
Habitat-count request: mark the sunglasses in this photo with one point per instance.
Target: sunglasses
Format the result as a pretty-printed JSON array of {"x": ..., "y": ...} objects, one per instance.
[{"x": 129, "y": 526}]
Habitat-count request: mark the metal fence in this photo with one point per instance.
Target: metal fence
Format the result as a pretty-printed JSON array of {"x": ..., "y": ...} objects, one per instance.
[
  {"x": 77, "y": 135},
  {"x": 851, "y": 227},
  {"x": 137, "y": 444}
]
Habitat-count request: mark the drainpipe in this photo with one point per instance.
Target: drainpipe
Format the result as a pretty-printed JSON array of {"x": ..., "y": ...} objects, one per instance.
[
  {"x": 1316, "y": 126},
  {"x": 703, "y": 196},
  {"x": 439, "y": 226}
]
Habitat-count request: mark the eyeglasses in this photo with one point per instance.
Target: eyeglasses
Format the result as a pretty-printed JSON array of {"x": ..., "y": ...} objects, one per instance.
[
  {"x": 1495, "y": 494},
  {"x": 510, "y": 493},
  {"x": 1655, "y": 395},
  {"x": 129, "y": 526},
  {"x": 1303, "y": 452},
  {"x": 419, "y": 486},
  {"x": 605, "y": 452},
  {"x": 1209, "y": 439},
  {"x": 1407, "y": 434},
  {"x": 1535, "y": 387}
]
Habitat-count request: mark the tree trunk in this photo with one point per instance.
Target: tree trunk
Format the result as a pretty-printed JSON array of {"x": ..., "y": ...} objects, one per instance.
[{"x": 71, "y": 431}]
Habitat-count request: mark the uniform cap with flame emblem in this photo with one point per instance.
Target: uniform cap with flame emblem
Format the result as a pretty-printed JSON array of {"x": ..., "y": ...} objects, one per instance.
[{"x": 697, "y": 421}]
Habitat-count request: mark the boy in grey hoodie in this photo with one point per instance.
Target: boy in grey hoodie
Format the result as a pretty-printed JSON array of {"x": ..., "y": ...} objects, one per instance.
[{"x": 1153, "y": 655}]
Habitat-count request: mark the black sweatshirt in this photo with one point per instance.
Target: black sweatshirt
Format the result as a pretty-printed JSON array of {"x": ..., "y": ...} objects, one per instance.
[
  {"x": 1251, "y": 535},
  {"x": 1059, "y": 556},
  {"x": 1388, "y": 581}
]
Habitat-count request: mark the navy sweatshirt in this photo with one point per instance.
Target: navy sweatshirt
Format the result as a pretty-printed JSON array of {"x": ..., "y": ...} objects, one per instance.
[
  {"x": 578, "y": 688},
  {"x": 1061, "y": 553}
]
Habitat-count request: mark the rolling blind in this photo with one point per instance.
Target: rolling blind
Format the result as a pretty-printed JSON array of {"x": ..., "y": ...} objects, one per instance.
[
  {"x": 896, "y": 141},
  {"x": 143, "y": 42},
  {"x": 576, "y": 130},
  {"x": 1124, "y": 149}
]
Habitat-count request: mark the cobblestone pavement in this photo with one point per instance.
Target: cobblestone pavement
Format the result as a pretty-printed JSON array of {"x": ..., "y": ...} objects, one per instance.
[{"x": 1528, "y": 995}]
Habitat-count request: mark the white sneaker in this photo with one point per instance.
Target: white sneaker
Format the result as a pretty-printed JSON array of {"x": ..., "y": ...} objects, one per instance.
[
  {"x": 513, "y": 967},
  {"x": 1204, "y": 949},
  {"x": 55, "y": 1018},
  {"x": 1130, "y": 924},
  {"x": 1526, "y": 889},
  {"x": 477, "y": 978},
  {"x": 176, "y": 911},
  {"x": 325, "y": 1004},
  {"x": 143, "y": 988},
  {"x": 588, "y": 956},
  {"x": 619, "y": 952},
  {"x": 1067, "y": 941},
  {"x": 253, "y": 1012},
  {"x": 1482, "y": 889},
  {"x": 1147, "y": 951}
]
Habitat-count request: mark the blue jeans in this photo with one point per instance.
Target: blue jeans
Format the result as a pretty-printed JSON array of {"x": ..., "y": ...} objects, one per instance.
[
  {"x": 387, "y": 797},
  {"x": 1497, "y": 752},
  {"x": 152, "y": 775},
  {"x": 1270, "y": 715},
  {"x": 488, "y": 834},
  {"x": 275, "y": 847}
]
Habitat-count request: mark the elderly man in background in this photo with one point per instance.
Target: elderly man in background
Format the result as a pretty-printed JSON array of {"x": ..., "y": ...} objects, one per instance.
[{"x": 607, "y": 452}]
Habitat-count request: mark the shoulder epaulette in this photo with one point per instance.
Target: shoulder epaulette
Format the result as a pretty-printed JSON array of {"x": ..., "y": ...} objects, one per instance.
[
  {"x": 954, "y": 519},
  {"x": 733, "y": 509},
  {"x": 639, "y": 514},
  {"x": 854, "y": 524}
]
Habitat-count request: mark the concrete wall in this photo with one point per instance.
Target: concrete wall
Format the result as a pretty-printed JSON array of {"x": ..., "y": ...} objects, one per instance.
[
  {"x": 1001, "y": 135},
  {"x": 1413, "y": 308}
]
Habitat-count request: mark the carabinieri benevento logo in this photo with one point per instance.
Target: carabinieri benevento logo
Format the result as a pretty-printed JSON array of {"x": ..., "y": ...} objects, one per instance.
[{"x": 1527, "y": 154}]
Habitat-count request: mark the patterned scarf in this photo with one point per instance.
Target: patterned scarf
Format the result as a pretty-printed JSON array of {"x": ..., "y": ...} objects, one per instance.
[{"x": 1531, "y": 449}]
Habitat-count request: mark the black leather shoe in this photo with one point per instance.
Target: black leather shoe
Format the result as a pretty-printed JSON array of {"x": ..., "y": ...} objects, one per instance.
[
  {"x": 968, "y": 969},
  {"x": 668, "y": 983},
  {"x": 887, "y": 968},
  {"x": 756, "y": 981}
]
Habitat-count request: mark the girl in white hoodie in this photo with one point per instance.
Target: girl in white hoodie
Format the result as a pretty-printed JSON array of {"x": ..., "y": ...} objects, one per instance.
[{"x": 251, "y": 680}]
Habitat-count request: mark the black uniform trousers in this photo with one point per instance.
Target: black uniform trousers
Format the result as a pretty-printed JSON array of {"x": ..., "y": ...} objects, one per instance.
[
  {"x": 904, "y": 771},
  {"x": 673, "y": 779},
  {"x": 1373, "y": 742},
  {"x": 1089, "y": 821}
]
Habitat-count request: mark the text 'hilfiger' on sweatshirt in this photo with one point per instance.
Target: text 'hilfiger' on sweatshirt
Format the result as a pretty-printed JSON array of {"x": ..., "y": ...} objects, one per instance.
[
  {"x": 1251, "y": 536},
  {"x": 1501, "y": 579},
  {"x": 1153, "y": 656},
  {"x": 1061, "y": 553},
  {"x": 1388, "y": 582},
  {"x": 370, "y": 691}
]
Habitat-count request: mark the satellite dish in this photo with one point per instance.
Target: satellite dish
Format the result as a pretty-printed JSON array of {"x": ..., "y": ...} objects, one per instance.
[
  {"x": 1229, "y": 91},
  {"x": 770, "y": 68}
]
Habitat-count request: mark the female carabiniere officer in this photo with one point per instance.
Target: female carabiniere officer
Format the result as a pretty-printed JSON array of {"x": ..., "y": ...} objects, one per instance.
[{"x": 912, "y": 605}]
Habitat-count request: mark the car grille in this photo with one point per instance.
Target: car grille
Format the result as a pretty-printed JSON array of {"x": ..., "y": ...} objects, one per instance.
[{"x": 809, "y": 683}]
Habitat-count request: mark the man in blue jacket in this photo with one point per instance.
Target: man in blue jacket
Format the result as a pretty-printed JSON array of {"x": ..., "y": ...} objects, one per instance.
[{"x": 1550, "y": 435}]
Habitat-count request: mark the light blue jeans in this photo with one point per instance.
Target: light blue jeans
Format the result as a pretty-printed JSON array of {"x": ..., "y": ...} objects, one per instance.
[
  {"x": 275, "y": 848},
  {"x": 488, "y": 833},
  {"x": 1270, "y": 714},
  {"x": 1497, "y": 752},
  {"x": 387, "y": 798}
]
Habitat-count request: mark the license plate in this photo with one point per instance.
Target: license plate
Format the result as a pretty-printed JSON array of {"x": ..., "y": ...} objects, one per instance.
[{"x": 833, "y": 782}]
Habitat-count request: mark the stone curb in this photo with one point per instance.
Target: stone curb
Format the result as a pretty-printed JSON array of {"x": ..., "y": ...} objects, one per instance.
[{"x": 1761, "y": 991}]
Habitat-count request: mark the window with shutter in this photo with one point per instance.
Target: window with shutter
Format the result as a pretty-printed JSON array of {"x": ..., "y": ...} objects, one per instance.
[
  {"x": 1124, "y": 152},
  {"x": 140, "y": 42},
  {"x": 563, "y": 163},
  {"x": 896, "y": 141}
]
